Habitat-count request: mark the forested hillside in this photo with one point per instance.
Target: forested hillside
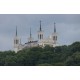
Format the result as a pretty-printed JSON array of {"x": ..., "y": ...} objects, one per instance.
[{"x": 48, "y": 56}]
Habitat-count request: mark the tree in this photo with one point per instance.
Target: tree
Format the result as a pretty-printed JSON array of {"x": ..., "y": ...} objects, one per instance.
[
  {"x": 75, "y": 47},
  {"x": 10, "y": 61}
]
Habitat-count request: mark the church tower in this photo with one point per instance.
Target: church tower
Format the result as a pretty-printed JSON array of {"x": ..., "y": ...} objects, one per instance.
[
  {"x": 16, "y": 42},
  {"x": 54, "y": 36},
  {"x": 40, "y": 33},
  {"x": 30, "y": 39}
]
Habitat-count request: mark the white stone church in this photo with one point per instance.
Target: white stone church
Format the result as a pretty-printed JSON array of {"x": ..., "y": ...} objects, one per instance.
[{"x": 42, "y": 42}]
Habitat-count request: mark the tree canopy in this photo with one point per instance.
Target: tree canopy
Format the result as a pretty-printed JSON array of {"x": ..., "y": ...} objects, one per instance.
[{"x": 47, "y": 56}]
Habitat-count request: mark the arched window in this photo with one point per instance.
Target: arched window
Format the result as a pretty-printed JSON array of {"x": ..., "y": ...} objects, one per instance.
[
  {"x": 40, "y": 36},
  {"x": 16, "y": 41},
  {"x": 53, "y": 37}
]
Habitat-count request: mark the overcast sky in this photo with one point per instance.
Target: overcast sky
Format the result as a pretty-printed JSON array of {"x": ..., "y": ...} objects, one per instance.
[{"x": 68, "y": 27}]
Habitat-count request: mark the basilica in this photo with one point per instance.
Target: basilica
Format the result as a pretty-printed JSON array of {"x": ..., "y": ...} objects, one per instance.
[{"x": 41, "y": 41}]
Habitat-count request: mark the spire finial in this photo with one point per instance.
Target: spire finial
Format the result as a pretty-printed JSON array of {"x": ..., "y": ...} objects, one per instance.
[
  {"x": 54, "y": 27},
  {"x": 40, "y": 26},
  {"x": 16, "y": 30},
  {"x": 30, "y": 33}
]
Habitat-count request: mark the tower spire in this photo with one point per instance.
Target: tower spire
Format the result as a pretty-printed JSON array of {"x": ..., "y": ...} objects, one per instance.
[
  {"x": 16, "y": 30},
  {"x": 40, "y": 32},
  {"x": 16, "y": 42},
  {"x": 54, "y": 27},
  {"x": 40, "y": 26},
  {"x": 30, "y": 33}
]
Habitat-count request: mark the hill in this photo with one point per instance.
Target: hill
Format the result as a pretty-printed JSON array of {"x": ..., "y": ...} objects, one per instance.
[{"x": 47, "y": 56}]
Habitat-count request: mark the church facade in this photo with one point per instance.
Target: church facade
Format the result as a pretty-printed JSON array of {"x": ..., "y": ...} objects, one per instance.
[{"x": 42, "y": 42}]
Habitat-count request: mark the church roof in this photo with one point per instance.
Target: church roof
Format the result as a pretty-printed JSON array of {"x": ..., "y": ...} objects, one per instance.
[{"x": 31, "y": 42}]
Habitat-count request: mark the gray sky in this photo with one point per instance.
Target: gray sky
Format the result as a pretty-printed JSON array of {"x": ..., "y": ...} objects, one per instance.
[{"x": 68, "y": 27}]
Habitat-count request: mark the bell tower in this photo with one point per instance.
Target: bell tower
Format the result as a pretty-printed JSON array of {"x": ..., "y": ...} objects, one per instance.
[
  {"x": 30, "y": 39},
  {"x": 54, "y": 36},
  {"x": 40, "y": 33},
  {"x": 16, "y": 42}
]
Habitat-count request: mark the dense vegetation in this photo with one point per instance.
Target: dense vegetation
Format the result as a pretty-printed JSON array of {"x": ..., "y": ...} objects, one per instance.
[{"x": 48, "y": 56}]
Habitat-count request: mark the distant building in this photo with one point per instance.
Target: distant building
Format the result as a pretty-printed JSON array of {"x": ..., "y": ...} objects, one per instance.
[{"x": 42, "y": 42}]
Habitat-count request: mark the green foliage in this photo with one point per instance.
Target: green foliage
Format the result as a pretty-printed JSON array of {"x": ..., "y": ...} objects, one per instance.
[
  {"x": 75, "y": 47},
  {"x": 47, "y": 56}
]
